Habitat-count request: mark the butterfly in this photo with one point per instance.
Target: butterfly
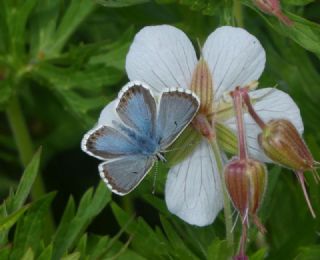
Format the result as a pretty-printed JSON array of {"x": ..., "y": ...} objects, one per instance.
[{"x": 131, "y": 145}]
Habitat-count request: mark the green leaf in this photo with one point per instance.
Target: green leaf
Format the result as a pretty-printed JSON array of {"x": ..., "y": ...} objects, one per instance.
[
  {"x": 7, "y": 222},
  {"x": 218, "y": 250},
  {"x": 5, "y": 90},
  {"x": 121, "y": 3},
  {"x": 308, "y": 253},
  {"x": 146, "y": 242},
  {"x": 43, "y": 25},
  {"x": 181, "y": 251},
  {"x": 90, "y": 78},
  {"x": 17, "y": 17},
  {"x": 259, "y": 255},
  {"x": 5, "y": 252},
  {"x": 29, "y": 229},
  {"x": 25, "y": 185},
  {"x": 90, "y": 206},
  {"x": 114, "y": 54},
  {"x": 46, "y": 253},
  {"x": 82, "y": 245},
  {"x": 297, "y": 2},
  {"x": 73, "y": 256},
  {"x": 206, "y": 7},
  {"x": 29, "y": 255},
  {"x": 96, "y": 246},
  {"x": 4, "y": 39},
  {"x": 77, "y": 11}
]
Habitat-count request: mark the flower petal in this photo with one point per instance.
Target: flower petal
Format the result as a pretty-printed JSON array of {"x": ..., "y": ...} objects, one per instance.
[
  {"x": 161, "y": 56},
  {"x": 270, "y": 104},
  {"x": 193, "y": 189},
  {"x": 235, "y": 58},
  {"x": 109, "y": 114}
]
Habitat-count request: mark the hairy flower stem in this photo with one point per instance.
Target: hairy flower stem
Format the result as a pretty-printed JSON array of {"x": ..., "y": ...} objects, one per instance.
[
  {"x": 25, "y": 149},
  {"x": 237, "y": 13},
  {"x": 226, "y": 200},
  {"x": 237, "y": 102},
  {"x": 252, "y": 112},
  {"x": 242, "y": 251}
]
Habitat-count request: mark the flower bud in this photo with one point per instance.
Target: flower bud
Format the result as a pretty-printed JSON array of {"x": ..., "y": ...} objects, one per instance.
[
  {"x": 282, "y": 143},
  {"x": 201, "y": 85},
  {"x": 273, "y": 7},
  {"x": 246, "y": 183}
]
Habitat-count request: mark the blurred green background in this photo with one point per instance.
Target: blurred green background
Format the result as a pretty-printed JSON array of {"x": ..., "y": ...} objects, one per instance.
[{"x": 62, "y": 61}]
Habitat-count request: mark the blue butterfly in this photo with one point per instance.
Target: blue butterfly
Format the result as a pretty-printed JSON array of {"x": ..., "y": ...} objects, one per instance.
[{"x": 140, "y": 137}]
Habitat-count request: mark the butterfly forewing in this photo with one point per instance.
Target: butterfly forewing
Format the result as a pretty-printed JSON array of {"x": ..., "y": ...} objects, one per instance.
[
  {"x": 124, "y": 174},
  {"x": 137, "y": 108},
  {"x": 133, "y": 143},
  {"x": 176, "y": 110},
  {"x": 106, "y": 142}
]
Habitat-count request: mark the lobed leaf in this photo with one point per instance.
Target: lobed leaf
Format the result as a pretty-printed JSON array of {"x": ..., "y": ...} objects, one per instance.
[
  {"x": 25, "y": 184},
  {"x": 29, "y": 229}
]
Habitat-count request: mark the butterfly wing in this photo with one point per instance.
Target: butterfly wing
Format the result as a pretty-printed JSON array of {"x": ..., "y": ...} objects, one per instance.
[
  {"x": 176, "y": 110},
  {"x": 137, "y": 108},
  {"x": 122, "y": 175},
  {"x": 105, "y": 142}
]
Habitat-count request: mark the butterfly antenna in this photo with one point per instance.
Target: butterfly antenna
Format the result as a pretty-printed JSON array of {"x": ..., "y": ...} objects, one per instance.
[{"x": 155, "y": 178}]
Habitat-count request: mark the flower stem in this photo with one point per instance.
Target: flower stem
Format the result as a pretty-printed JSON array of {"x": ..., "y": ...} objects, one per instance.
[
  {"x": 25, "y": 148},
  {"x": 226, "y": 201},
  {"x": 251, "y": 110},
  {"x": 243, "y": 240},
  {"x": 237, "y": 103},
  {"x": 237, "y": 13}
]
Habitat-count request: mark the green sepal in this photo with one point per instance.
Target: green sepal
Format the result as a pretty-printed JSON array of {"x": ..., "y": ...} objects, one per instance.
[
  {"x": 183, "y": 146},
  {"x": 227, "y": 139}
]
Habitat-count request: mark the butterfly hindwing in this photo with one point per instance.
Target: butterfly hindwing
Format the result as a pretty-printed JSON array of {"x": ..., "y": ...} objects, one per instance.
[
  {"x": 131, "y": 145},
  {"x": 176, "y": 110},
  {"x": 122, "y": 175},
  {"x": 105, "y": 142},
  {"x": 137, "y": 108}
]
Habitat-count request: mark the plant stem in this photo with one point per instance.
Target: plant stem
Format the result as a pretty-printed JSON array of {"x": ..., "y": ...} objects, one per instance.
[
  {"x": 226, "y": 201},
  {"x": 237, "y": 106},
  {"x": 251, "y": 110},
  {"x": 25, "y": 148},
  {"x": 237, "y": 13}
]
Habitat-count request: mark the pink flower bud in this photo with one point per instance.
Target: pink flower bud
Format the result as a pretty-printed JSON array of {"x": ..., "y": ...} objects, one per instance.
[
  {"x": 246, "y": 183},
  {"x": 273, "y": 7}
]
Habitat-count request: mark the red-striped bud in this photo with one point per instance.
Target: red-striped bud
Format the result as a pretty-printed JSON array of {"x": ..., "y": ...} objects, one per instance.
[
  {"x": 273, "y": 7},
  {"x": 246, "y": 182},
  {"x": 282, "y": 143}
]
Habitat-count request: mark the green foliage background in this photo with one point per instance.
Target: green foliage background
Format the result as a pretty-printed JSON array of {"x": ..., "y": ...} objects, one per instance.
[{"x": 61, "y": 62}]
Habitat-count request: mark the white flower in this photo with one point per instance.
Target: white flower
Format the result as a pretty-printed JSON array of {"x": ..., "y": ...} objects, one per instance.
[{"x": 163, "y": 56}]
